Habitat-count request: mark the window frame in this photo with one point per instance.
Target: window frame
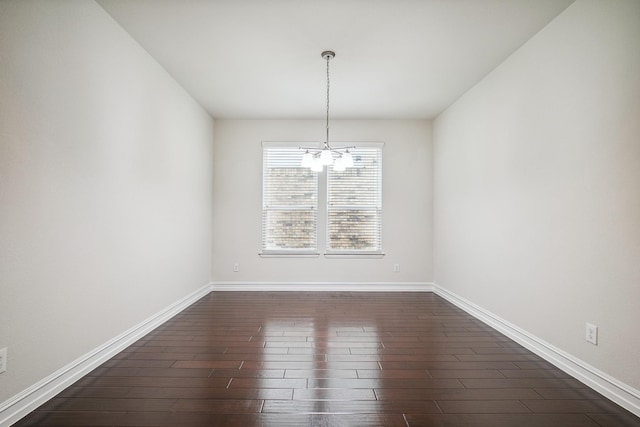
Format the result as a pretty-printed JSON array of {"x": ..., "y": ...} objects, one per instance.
[{"x": 322, "y": 215}]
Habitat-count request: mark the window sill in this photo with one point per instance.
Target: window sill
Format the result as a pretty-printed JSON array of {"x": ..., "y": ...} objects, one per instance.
[
  {"x": 285, "y": 254},
  {"x": 362, "y": 255}
]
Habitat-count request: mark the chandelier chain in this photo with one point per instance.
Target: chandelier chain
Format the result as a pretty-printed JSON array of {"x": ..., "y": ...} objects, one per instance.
[{"x": 328, "y": 85}]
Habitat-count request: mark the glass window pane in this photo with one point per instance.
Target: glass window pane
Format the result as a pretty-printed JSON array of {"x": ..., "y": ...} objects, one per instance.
[
  {"x": 354, "y": 204},
  {"x": 289, "y": 201}
]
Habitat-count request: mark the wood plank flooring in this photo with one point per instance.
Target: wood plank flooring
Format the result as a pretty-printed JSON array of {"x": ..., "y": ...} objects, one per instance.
[{"x": 327, "y": 359}]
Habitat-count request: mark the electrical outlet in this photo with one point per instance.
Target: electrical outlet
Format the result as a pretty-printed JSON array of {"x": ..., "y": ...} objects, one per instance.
[
  {"x": 396, "y": 268},
  {"x": 3, "y": 360},
  {"x": 236, "y": 267},
  {"x": 591, "y": 333}
]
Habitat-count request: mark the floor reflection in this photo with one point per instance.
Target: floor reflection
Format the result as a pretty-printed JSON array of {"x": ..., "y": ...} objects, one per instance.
[{"x": 326, "y": 346}]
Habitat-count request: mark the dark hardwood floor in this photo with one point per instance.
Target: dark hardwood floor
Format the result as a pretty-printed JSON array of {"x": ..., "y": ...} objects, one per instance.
[{"x": 327, "y": 359}]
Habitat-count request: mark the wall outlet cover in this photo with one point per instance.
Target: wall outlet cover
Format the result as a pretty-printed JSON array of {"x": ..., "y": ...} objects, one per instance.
[{"x": 591, "y": 333}]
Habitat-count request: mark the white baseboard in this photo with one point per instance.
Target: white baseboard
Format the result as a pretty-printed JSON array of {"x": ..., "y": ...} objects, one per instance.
[
  {"x": 28, "y": 400},
  {"x": 324, "y": 286},
  {"x": 622, "y": 394}
]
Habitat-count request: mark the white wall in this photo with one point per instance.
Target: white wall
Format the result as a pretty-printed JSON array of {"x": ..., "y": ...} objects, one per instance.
[
  {"x": 105, "y": 186},
  {"x": 407, "y": 196},
  {"x": 537, "y": 187}
]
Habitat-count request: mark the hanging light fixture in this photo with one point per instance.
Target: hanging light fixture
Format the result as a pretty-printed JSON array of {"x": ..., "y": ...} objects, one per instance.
[{"x": 316, "y": 159}]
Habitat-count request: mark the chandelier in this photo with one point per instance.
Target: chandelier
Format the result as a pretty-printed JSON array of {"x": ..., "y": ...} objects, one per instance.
[{"x": 316, "y": 159}]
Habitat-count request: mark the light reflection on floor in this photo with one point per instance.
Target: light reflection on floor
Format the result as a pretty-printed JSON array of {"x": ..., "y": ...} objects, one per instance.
[{"x": 319, "y": 350}]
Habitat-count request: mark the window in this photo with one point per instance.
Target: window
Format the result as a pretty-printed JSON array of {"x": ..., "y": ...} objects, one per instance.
[
  {"x": 354, "y": 204},
  {"x": 290, "y": 192},
  {"x": 289, "y": 203}
]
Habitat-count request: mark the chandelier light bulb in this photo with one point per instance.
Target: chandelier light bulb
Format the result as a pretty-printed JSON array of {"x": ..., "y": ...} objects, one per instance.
[
  {"x": 326, "y": 158},
  {"x": 307, "y": 159},
  {"x": 338, "y": 165},
  {"x": 316, "y": 165},
  {"x": 347, "y": 158}
]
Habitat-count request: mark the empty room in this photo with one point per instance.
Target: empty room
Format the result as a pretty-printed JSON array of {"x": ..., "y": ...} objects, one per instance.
[{"x": 320, "y": 213}]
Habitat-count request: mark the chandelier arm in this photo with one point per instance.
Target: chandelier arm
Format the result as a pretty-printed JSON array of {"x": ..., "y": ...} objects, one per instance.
[
  {"x": 342, "y": 149},
  {"x": 336, "y": 149}
]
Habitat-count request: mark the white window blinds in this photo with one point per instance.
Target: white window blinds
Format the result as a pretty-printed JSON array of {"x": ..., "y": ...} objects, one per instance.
[
  {"x": 354, "y": 204},
  {"x": 289, "y": 202}
]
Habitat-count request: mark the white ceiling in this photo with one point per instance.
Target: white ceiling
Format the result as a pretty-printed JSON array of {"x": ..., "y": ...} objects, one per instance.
[{"x": 394, "y": 58}]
